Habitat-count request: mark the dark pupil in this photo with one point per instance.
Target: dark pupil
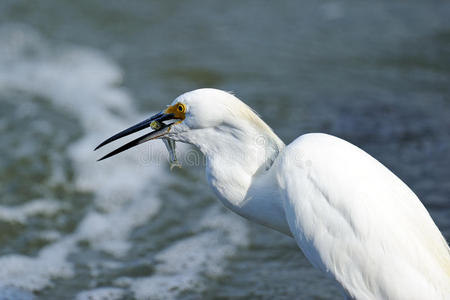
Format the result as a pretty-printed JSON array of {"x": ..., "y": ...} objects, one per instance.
[{"x": 180, "y": 108}]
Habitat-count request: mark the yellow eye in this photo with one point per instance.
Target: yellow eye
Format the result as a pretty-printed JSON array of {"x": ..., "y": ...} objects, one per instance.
[
  {"x": 178, "y": 110},
  {"x": 181, "y": 107}
]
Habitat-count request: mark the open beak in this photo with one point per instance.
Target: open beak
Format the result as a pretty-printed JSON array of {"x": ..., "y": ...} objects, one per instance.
[{"x": 160, "y": 130}]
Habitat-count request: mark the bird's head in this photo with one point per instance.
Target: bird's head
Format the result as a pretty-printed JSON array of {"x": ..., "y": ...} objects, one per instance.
[{"x": 199, "y": 117}]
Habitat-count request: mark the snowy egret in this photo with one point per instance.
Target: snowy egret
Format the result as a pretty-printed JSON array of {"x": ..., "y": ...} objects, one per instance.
[{"x": 353, "y": 218}]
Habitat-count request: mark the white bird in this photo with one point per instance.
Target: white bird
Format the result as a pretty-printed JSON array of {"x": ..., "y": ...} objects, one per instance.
[{"x": 352, "y": 217}]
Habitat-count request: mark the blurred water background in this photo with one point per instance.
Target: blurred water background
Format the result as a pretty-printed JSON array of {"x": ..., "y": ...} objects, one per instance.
[{"x": 376, "y": 73}]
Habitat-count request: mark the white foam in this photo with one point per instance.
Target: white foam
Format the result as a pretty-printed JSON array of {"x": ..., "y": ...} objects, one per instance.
[
  {"x": 104, "y": 293},
  {"x": 109, "y": 232},
  {"x": 182, "y": 266},
  {"x": 21, "y": 213},
  {"x": 34, "y": 273},
  {"x": 8, "y": 293},
  {"x": 84, "y": 83}
]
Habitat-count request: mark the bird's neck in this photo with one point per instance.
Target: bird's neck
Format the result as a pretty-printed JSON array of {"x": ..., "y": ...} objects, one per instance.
[{"x": 239, "y": 170}]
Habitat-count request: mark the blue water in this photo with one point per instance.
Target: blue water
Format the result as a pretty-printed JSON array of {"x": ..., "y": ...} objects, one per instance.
[{"x": 72, "y": 73}]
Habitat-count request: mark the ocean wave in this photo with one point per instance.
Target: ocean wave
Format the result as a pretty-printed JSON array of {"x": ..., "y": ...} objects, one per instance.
[{"x": 85, "y": 83}]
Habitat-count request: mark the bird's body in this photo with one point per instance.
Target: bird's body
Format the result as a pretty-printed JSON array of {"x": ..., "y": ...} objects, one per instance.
[
  {"x": 359, "y": 223},
  {"x": 353, "y": 218}
]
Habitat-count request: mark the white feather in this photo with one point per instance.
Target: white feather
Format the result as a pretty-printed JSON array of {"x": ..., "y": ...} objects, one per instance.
[
  {"x": 353, "y": 218},
  {"x": 358, "y": 222}
]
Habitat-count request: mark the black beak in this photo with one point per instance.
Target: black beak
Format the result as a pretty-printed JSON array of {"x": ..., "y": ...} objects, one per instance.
[{"x": 162, "y": 130}]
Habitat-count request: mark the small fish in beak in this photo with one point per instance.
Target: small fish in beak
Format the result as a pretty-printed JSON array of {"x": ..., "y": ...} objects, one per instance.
[
  {"x": 173, "y": 114},
  {"x": 155, "y": 125},
  {"x": 160, "y": 129},
  {"x": 170, "y": 145}
]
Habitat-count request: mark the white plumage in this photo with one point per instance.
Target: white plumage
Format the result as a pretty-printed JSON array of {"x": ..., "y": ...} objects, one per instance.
[
  {"x": 358, "y": 222},
  {"x": 353, "y": 218}
]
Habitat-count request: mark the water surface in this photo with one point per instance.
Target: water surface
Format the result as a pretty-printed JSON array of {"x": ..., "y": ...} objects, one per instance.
[{"x": 73, "y": 73}]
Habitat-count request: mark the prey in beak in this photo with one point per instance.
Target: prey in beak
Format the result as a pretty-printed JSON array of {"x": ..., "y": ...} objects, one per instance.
[{"x": 160, "y": 129}]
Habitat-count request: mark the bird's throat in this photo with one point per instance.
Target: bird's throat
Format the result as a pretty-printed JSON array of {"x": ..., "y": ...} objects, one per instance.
[{"x": 239, "y": 171}]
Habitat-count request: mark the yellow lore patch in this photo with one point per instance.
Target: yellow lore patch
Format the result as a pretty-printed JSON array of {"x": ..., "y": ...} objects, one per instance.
[{"x": 178, "y": 110}]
